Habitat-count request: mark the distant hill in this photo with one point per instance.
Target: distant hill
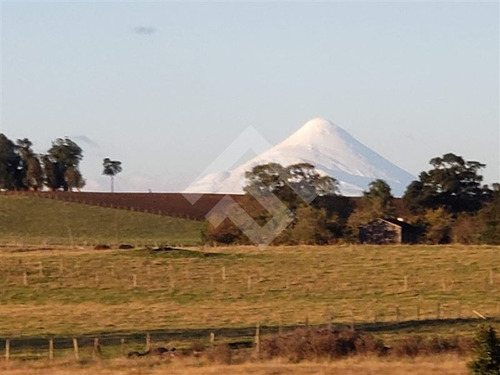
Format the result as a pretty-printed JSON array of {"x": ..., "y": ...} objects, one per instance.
[
  {"x": 28, "y": 219},
  {"x": 166, "y": 204}
]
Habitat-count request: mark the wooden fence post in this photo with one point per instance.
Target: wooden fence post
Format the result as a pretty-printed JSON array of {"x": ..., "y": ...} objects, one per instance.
[
  {"x": 224, "y": 273},
  {"x": 148, "y": 341},
  {"x": 25, "y": 278},
  {"x": 212, "y": 338},
  {"x": 492, "y": 277},
  {"x": 51, "y": 349},
  {"x": 249, "y": 283},
  {"x": 134, "y": 281},
  {"x": 75, "y": 348},
  {"x": 406, "y": 284},
  {"x": 7, "y": 349},
  {"x": 40, "y": 268},
  {"x": 257, "y": 339}
]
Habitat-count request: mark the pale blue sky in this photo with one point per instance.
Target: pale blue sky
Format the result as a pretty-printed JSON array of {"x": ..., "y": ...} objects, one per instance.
[{"x": 410, "y": 80}]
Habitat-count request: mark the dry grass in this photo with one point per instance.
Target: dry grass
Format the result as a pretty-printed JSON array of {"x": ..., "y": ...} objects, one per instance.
[
  {"x": 439, "y": 365},
  {"x": 85, "y": 291}
]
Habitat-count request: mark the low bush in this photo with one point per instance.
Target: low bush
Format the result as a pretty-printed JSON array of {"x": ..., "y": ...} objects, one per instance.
[{"x": 310, "y": 344}]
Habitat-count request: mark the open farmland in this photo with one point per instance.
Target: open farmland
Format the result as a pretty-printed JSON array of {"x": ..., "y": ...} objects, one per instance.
[
  {"x": 54, "y": 285},
  {"x": 165, "y": 204},
  {"x": 25, "y": 219},
  {"x": 65, "y": 292}
]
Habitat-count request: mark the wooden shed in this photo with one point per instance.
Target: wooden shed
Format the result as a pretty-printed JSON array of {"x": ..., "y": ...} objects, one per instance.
[{"x": 387, "y": 231}]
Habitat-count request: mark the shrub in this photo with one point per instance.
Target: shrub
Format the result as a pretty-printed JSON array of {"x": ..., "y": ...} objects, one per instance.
[
  {"x": 309, "y": 344},
  {"x": 487, "y": 350},
  {"x": 409, "y": 346}
]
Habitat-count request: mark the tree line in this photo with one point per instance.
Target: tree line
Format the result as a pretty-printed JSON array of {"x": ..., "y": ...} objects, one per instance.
[
  {"x": 23, "y": 169},
  {"x": 57, "y": 169},
  {"x": 448, "y": 203}
]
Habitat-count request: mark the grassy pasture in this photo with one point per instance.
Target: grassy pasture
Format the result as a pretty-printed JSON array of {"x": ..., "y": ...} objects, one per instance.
[
  {"x": 30, "y": 220},
  {"x": 89, "y": 292}
]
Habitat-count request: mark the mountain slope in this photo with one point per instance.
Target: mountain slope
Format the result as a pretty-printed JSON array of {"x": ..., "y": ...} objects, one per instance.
[{"x": 330, "y": 149}]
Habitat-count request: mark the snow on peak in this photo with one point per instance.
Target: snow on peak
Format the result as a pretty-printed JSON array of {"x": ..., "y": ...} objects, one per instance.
[
  {"x": 312, "y": 132},
  {"x": 327, "y": 146}
]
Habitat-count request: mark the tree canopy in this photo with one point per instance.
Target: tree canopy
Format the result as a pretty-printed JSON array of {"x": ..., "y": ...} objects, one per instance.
[
  {"x": 295, "y": 185},
  {"x": 111, "y": 169},
  {"x": 453, "y": 183},
  {"x": 22, "y": 169}
]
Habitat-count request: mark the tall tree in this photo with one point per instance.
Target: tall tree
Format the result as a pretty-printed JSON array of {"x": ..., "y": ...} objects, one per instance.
[
  {"x": 295, "y": 185},
  {"x": 33, "y": 179},
  {"x": 32, "y": 168},
  {"x": 453, "y": 183},
  {"x": 63, "y": 154},
  {"x": 54, "y": 175},
  {"x": 377, "y": 202},
  {"x": 111, "y": 169},
  {"x": 10, "y": 165},
  {"x": 378, "y": 199}
]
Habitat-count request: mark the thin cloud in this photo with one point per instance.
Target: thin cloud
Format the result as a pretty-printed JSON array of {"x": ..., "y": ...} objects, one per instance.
[
  {"x": 144, "y": 30},
  {"x": 86, "y": 140}
]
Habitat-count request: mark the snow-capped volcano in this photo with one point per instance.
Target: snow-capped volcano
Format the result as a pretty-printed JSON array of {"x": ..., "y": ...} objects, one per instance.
[{"x": 330, "y": 149}]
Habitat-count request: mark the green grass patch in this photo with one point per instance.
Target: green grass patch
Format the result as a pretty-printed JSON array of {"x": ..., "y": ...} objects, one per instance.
[{"x": 29, "y": 220}]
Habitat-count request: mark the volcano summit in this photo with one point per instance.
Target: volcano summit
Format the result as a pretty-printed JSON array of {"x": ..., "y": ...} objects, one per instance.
[{"x": 329, "y": 148}]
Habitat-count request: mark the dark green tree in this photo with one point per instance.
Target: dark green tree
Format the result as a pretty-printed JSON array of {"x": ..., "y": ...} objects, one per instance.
[
  {"x": 487, "y": 353},
  {"x": 54, "y": 174},
  {"x": 378, "y": 199},
  {"x": 453, "y": 183},
  {"x": 34, "y": 174},
  {"x": 11, "y": 170},
  {"x": 298, "y": 186},
  {"x": 63, "y": 154},
  {"x": 295, "y": 185},
  {"x": 111, "y": 169},
  {"x": 32, "y": 168}
]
